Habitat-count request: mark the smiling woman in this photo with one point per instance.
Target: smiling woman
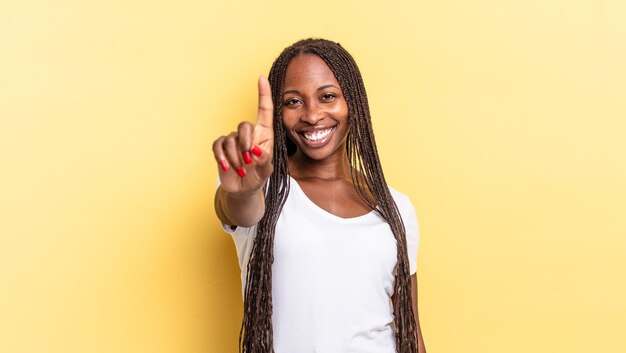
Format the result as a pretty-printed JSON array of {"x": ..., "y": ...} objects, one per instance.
[
  {"x": 328, "y": 250},
  {"x": 315, "y": 113}
]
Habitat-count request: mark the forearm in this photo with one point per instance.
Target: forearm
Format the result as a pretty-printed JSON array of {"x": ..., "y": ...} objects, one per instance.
[{"x": 236, "y": 209}]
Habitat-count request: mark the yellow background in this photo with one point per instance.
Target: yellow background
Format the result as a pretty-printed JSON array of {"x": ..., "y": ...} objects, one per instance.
[{"x": 504, "y": 121}]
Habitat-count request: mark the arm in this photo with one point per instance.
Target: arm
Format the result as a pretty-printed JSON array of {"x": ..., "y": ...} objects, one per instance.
[
  {"x": 236, "y": 209},
  {"x": 244, "y": 158},
  {"x": 421, "y": 348}
]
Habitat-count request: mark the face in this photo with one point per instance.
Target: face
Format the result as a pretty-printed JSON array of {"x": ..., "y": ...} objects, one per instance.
[{"x": 315, "y": 113}]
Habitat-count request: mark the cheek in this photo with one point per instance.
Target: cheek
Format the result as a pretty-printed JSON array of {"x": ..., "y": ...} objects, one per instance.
[
  {"x": 341, "y": 108},
  {"x": 288, "y": 119},
  {"x": 288, "y": 125}
]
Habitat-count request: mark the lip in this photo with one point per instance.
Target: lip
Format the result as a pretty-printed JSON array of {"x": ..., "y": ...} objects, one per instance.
[{"x": 320, "y": 142}]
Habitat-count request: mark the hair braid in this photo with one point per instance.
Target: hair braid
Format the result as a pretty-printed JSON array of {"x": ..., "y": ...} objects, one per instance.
[{"x": 256, "y": 335}]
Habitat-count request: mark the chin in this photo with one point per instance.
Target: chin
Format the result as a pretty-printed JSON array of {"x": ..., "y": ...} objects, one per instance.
[
  {"x": 316, "y": 156},
  {"x": 319, "y": 154}
]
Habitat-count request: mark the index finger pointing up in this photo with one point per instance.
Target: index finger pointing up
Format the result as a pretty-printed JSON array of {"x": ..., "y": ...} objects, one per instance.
[{"x": 266, "y": 107}]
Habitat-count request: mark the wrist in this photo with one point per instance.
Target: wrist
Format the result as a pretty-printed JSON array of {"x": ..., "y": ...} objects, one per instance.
[{"x": 240, "y": 195}]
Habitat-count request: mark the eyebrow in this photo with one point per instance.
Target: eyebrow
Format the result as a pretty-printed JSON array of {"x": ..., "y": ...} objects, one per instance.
[{"x": 319, "y": 89}]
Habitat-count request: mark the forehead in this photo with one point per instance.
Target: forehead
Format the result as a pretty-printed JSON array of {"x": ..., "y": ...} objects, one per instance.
[{"x": 308, "y": 70}]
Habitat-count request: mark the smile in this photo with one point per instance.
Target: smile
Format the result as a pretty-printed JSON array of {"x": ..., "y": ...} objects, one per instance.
[{"x": 318, "y": 137}]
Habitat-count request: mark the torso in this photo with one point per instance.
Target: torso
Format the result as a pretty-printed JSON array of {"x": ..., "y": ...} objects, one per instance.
[
  {"x": 338, "y": 197},
  {"x": 332, "y": 274}
]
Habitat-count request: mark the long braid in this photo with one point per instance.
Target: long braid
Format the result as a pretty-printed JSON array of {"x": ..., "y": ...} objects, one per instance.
[{"x": 256, "y": 334}]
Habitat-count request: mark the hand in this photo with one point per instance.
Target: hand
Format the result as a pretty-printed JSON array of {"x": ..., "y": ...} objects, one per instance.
[{"x": 244, "y": 157}]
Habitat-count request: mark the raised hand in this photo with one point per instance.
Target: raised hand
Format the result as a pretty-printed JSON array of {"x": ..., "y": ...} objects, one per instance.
[{"x": 244, "y": 156}]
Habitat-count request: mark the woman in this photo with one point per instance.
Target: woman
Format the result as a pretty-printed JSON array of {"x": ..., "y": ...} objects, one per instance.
[{"x": 327, "y": 249}]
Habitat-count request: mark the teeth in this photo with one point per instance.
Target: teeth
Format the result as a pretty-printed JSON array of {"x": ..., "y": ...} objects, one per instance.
[{"x": 317, "y": 135}]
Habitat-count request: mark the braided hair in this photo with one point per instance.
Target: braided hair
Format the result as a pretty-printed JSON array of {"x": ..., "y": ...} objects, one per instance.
[{"x": 256, "y": 335}]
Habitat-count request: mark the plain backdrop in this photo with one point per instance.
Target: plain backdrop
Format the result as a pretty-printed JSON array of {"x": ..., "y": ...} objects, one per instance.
[{"x": 503, "y": 121}]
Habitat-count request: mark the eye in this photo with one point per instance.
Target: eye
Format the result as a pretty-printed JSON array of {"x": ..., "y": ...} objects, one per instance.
[
  {"x": 291, "y": 102},
  {"x": 328, "y": 96}
]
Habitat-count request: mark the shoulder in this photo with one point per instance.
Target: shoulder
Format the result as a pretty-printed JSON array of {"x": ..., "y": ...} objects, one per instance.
[
  {"x": 411, "y": 226},
  {"x": 405, "y": 206},
  {"x": 401, "y": 199}
]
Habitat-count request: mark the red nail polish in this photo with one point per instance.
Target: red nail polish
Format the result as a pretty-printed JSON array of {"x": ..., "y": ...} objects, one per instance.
[
  {"x": 224, "y": 165},
  {"x": 257, "y": 151},
  {"x": 247, "y": 157},
  {"x": 241, "y": 172}
]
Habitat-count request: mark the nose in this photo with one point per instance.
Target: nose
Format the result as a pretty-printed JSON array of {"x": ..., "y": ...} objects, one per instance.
[{"x": 312, "y": 113}]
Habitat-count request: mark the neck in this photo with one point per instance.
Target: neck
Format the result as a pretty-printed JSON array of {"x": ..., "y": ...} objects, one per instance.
[{"x": 334, "y": 167}]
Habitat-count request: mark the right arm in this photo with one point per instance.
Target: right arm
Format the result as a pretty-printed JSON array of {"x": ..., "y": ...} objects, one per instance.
[
  {"x": 244, "y": 159},
  {"x": 243, "y": 210}
]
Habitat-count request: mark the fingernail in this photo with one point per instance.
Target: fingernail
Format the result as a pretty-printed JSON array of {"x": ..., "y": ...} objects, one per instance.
[
  {"x": 247, "y": 158},
  {"x": 257, "y": 151},
  {"x": 224, "y": 165},
  {"x": 241, "y": 172}
]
